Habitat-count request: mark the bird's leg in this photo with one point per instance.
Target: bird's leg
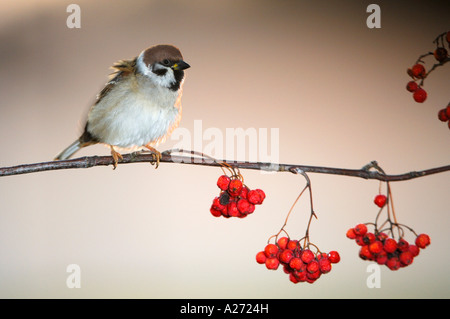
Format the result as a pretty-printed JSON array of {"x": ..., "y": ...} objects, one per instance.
[
  {"x": 156, "y": 154},
  {"x": 116, "y": 156}
]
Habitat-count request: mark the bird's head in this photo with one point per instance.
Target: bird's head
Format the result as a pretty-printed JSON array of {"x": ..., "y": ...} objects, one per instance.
[{"x": 163, "y": 64}]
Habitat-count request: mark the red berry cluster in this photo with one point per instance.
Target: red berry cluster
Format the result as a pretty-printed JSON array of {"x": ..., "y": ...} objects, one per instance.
[
  {"x": 300, "y": 263},
  {"x": 235, "y": 198},
  {"x": 379, "y": 247},
  {"x": 417, "y": 72}
]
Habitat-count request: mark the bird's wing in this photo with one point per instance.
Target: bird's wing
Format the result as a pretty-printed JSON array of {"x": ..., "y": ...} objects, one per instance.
[{"x": 121, "y": 68}]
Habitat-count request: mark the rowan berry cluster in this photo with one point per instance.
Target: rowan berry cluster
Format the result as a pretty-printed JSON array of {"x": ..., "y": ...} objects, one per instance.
[
  {"x": 300, "y": 263},
  {"x": 418, "y": 73},
  {"x": 235, "y": 198},
  {"x": 385, "y": 250}
]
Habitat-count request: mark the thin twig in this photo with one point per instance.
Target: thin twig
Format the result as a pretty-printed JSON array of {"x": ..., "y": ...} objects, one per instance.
[{"x": 170, "y": 157}]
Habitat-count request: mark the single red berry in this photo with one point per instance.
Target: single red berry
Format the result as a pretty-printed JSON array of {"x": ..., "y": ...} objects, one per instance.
[
  {"x": 307, "y": 255},
  {"x": 411, "y": 86},
  {"x": 261, "y": 257},
  {"x": 254, "y": 197},
  {"x": 418, "y": 71},
  {"x": 300, "y": 275},
  {"x": 215, "y": 212},
  {"x": 390, "y": 245},
  {"x": 420, "y": 95},
  {"x": 440, "y": 54},
  {"x": 243, "y": 206},
  {"x": 292, "y": 244},
  {"x": 414, "y": 250},
  {"x": 406, "y": 258},
  {"x": 447, "y": 110},
  {"x": 402, "y": 245},
  {"x": 321, "y": 256},
  {"x": 381, "y": 258},
  {"x": 333, "y": 257},
  {"x": 376, "y": 247},
  {"x": 351, "y": 233},
  {"x": 380, "y": 200},
  {"x": 324, "y": 265},
  {"x": 271, "y": 250},
  {"x": 365, "y": 253},
  {"x": 286, "y": 256},
  {"x": 217, "y": 205},
  {"x": 232, "y": 209},
  {"x": 262, "y": 194},
  {"x": 234, "y": 188},
  {"x": 225, "y": 212},
  {"x": 359, "y": 240},
  {"x": 312, "y": 276},
  {"x": 293, "y": 278},
  {"x": 243, "y": 193},
  {"x": 393, "y": 263},
  {"x": 368, "y": 238},
  {"x": 296, "y": 263},
  {"x": 251, "y": 208},
  {"x": 423, "y": 240},
  {"x": 313, "y": 266},
  {"x": 272, "y": 263},
  {"x": 442, "y": 115},
  {"x": 360, "y": 229},
  {"x": 223, "y": 182},
  {"x": 282, "y": 242}
]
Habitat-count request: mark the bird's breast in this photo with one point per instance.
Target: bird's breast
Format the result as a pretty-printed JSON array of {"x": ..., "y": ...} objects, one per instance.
[{"x": 132, "y": 114}]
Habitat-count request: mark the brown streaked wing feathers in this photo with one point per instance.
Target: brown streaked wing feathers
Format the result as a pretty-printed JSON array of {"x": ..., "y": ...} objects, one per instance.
[{"x": 122, "y": 67}]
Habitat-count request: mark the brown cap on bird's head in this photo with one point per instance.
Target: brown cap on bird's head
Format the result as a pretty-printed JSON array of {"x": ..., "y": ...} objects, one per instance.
[{"x": 161, "y": 53}]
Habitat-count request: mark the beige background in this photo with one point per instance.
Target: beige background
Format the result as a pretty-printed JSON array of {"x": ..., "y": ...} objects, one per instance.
[{"x": 334, "y": 88}]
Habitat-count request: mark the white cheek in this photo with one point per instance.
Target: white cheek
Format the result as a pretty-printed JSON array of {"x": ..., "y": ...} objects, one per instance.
[{"x": 166, "y": 80}]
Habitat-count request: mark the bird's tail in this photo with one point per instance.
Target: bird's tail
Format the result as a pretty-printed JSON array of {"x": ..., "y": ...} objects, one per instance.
[{"x": 69, "y": 151}]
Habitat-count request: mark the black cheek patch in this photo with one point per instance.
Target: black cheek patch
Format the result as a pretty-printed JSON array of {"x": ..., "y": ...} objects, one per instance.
[
  {"x": 160, "y": 72},
  {"x": 179, "y": 75}
]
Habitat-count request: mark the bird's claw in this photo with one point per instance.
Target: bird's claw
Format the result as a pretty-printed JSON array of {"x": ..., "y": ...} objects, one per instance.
[
  {"x": 156, "y": 155},
  {"x": 116, "y": 156}
]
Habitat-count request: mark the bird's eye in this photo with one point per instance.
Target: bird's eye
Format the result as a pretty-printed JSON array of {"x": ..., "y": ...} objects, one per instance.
[{"x": 166, "y": 62}]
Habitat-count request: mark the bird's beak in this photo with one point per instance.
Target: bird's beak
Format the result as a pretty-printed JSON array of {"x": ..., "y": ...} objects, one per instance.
[{"x": 181, "y": 65}]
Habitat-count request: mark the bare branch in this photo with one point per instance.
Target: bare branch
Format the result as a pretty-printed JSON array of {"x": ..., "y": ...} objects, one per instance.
[{"x": 370, "y": 171}]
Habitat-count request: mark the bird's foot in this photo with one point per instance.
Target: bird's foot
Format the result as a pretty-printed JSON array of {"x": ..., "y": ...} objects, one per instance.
[
  {"x": 116, "y": 155},
  {"x": 156, "y": 155}
]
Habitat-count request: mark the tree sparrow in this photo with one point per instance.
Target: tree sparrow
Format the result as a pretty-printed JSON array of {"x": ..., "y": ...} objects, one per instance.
[{"x": 139, "y": 107}]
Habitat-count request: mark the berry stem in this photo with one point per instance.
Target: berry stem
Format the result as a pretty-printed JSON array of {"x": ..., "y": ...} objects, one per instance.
[
  {"x": 312, "y": 214},
  {"x": 290, "y": 210},
  {"x": 391, "y": 218},
  {"x": 419, "y": 59},
  {"x": 440, "y": 38},
  {"x": 432, "y": 69},
  {"x": 391, "y": 202},
  {"x": 307, "y": 186},
  {"x": 277, "y": 234}
]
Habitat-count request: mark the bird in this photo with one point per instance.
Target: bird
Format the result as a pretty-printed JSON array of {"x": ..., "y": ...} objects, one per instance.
[{"x": 140, "y": 105}]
